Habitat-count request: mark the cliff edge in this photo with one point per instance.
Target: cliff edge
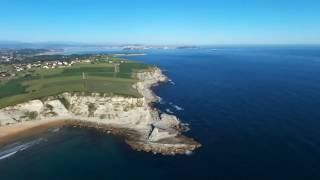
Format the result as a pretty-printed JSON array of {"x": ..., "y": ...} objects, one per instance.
[{"x": 144, "y": 127}]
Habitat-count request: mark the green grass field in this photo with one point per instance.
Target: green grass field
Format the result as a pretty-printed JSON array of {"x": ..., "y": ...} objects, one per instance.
[{"x": 98, "y": 77}]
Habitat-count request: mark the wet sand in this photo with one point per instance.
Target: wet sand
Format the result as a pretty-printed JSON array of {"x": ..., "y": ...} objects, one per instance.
[
  {"x": 29, "y": 129},
  {"x": 14, "y": 132}
]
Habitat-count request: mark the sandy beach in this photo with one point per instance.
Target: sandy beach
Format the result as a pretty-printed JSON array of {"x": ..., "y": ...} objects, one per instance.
[
  {"x": 135, "y": 119},
  {"x": 14, "y": 132}
]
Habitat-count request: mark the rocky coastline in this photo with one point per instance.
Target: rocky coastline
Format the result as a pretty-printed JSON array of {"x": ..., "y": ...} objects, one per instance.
[{"x": 143, "y": 127}]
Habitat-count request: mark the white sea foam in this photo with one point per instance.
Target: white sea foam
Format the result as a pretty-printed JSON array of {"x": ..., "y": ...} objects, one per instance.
[
  {"x": 8, "y": 155},
  {"x": 169, "y": 111},
  {"x": 178, "y": 108},
  {"x": 189, "y": 153},
  {"x": 12, "y": 149},
  {"x": 171, "y": 82},
  {"x": 54, "y": 130},
  {"x": 161, "y": 101}
]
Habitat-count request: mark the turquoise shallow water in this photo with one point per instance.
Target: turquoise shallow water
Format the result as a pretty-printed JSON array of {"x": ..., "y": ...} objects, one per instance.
[{"x": 254, "y": 109}]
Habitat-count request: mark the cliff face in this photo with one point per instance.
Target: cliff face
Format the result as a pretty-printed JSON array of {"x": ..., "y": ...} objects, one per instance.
[
  {"x": 147, "y": 80},
  {"x": 157, "y": 132}
]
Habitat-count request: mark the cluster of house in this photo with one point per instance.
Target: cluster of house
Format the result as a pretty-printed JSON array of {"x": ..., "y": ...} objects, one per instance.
[
  {"x": 43, "y": 65},
  {"x": 48, "y": 64},
  {"x": 55, "y": 64},
  {"x": 5, "y": 58},
  {"x": 9, "y": 57},
  {"x": 4, "y": 74}
]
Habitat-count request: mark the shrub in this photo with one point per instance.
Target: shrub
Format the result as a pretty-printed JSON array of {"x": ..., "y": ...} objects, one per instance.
[
  {"x": 50, "y": 107},
  {"x": 32, "y": 115},
  {"x": 103, "y": 116},
  {"x": 91, "y": 108}
]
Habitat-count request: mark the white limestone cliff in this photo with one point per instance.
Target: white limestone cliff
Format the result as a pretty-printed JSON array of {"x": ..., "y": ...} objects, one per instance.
[{"x": 114, "y": 111}]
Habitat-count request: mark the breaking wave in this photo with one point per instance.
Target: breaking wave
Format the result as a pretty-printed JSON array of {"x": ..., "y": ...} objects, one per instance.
[
  {"x": 54, "y": 130},
  {"x": 169, "y": 111},
  {"x": 171, "y": 82},
  {"x": 178, "y": 108},
  {"x": 12, "y": 149},
  {"x": 161, "y": 101}
]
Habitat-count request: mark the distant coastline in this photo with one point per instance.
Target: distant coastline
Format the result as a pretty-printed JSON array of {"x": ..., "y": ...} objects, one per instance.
[{"x": 129, "y": 54}]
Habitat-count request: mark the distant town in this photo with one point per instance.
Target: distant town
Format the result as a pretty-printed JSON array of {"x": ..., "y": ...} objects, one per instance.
[
  {"x": 28, "y": 60},
  {"x": 15, "y": 60}
]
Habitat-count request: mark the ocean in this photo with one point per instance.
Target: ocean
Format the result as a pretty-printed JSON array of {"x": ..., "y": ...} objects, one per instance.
[{"x": 255, "y": 110}]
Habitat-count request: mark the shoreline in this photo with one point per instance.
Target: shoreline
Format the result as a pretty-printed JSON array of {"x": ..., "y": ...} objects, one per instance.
[
  {"x": 147, "y": 130},
  {"x": 11, "y": 133},
  {"x": 14, "y": 132}
]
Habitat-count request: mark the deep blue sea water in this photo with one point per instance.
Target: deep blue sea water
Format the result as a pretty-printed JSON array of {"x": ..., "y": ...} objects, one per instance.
[{"x": 256, "y": 110}]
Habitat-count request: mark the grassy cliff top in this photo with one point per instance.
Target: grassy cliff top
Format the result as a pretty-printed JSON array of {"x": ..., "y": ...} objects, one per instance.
[{"x": 96, "y": 76}]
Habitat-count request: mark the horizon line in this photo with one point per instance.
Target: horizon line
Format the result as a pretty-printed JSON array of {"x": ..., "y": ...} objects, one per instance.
[{"x": 150, "y": 44}]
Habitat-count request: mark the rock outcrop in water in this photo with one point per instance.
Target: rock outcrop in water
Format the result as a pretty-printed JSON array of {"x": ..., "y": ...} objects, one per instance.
[{"x": 143, "y": 127}]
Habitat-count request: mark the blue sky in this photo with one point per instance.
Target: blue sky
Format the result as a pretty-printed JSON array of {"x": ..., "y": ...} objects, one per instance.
[{"x": 162, "y": 21}]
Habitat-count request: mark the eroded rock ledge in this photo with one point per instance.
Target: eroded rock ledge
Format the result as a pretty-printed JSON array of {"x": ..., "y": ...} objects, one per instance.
[{"x": 143, "y": 127}]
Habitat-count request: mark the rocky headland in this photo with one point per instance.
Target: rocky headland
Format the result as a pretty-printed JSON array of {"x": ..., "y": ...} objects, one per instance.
[{"x": 143, "y": 127}]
